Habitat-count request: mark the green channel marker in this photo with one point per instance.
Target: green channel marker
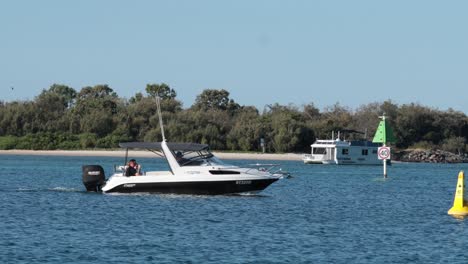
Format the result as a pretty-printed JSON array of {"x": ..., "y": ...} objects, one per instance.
[{"x": 384, "y": 133}]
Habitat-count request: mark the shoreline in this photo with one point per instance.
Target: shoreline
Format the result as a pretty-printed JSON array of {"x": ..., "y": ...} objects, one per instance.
[{"x": 147, "y": 154}]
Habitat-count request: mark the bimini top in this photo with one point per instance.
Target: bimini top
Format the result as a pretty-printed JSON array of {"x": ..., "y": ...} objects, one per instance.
[{"x": 171, "y": 145}]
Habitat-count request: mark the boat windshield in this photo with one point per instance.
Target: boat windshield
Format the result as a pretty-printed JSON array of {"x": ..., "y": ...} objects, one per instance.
[{"x": 196, "y": 158}]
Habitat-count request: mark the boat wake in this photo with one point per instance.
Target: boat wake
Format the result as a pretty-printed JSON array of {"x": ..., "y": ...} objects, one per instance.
[
  {"x": 381, "y": 179},
  {"x": 55, "y": 189},
  {"x": 188, "y": 196},
  {"x": 61, "y": 189},
  {"x": 249, "y": 195},
  {"x": 65, "y": 189}
]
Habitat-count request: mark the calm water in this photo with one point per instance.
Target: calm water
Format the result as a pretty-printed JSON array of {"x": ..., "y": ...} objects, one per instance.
[{"x": 325, "y": 214}]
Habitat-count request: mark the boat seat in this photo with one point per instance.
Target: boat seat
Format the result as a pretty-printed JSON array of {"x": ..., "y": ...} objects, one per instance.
[{"x": 123, "y": 169}]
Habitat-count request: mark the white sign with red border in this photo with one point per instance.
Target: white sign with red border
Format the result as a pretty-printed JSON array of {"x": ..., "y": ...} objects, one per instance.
[{"x": 384, "y": 153}]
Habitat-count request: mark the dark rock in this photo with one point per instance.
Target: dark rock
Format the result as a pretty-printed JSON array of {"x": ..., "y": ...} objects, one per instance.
[{"x": 433, "y": 156}]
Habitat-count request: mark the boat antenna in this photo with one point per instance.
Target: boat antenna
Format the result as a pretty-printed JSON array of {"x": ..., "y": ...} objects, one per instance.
[{"x": 158, "y": 105}]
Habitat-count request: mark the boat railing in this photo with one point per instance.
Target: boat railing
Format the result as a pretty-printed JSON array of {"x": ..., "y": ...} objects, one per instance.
[{"x": 266, "y": 167}]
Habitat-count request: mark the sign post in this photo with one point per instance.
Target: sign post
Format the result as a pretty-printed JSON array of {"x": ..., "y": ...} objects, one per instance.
[
  {"x": 384, "y": 154},
  {"x": 384, "y": 135}
]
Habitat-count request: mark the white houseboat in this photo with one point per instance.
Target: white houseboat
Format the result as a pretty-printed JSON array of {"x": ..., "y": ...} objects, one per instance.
[{"x": 343, "y": 152}]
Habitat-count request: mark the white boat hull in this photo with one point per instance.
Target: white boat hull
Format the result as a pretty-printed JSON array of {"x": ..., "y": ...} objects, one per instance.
[{"x": 209, "y": 185}]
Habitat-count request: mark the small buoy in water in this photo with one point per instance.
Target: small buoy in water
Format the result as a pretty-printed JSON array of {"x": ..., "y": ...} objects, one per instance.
[{"x": 460, "y": 205}]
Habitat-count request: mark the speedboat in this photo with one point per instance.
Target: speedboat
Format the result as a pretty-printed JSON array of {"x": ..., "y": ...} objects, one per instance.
[{"x": 193, "y": 169}]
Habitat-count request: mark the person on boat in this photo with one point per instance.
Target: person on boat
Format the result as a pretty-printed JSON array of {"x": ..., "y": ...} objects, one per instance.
[
  {"x": 133, "y": 168},
  {"x": 180, "y": 158}
]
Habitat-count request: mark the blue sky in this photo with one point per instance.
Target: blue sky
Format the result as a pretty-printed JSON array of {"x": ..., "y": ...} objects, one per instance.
[{"x": 351, "y": 52}]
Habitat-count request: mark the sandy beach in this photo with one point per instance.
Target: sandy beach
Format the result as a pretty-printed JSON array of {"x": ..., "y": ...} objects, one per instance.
[{"x": 121, "y": 153}]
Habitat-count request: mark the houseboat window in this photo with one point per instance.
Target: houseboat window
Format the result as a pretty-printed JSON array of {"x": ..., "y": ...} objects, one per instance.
[
  {"x": 365, "y": 152},
  {"x": 320, "y": 151},
  {"x": 345, "y": 151}
]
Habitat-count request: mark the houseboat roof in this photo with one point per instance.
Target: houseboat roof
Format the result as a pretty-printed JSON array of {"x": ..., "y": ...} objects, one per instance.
[{"x": 353, "y": 143}]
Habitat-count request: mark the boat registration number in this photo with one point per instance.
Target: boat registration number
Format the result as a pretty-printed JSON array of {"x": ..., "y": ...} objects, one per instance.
[
  {"x": 129, "y": 185},
  {"x": 243, "y": 182}
]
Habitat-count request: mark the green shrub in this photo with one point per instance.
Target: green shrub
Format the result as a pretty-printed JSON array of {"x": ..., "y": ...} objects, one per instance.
[
  {"x": 69, "y": 145},
  {"x": 423, "y": 145},
  {"x": 88, "y": 140},
  {"x": 38, "y": 141},
  {"x": 8, "y": 142},
  {"x": 454, "y": 145}
]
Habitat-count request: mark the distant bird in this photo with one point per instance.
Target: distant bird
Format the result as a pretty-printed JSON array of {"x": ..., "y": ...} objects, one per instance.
[{"x": 12, "y": 88}]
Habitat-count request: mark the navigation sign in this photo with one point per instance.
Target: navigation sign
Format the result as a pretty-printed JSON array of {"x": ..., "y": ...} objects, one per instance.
[
  {"x": 383, "y": 153},
  {"x": 384, "y": 133}
]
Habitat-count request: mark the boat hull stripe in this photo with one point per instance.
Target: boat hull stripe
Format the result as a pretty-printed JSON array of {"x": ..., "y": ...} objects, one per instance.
[{"x": 199, "y": 188}]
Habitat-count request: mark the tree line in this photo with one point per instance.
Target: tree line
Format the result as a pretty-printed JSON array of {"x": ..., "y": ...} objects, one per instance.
[{"x": 61, "y": 117}]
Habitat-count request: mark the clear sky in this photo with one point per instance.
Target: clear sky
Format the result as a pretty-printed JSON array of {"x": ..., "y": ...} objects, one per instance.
[{"x": 351, "y": 52}]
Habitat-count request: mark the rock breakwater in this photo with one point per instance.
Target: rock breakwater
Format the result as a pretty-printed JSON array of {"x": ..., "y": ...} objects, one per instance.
[{"x": 430, "y": 156}]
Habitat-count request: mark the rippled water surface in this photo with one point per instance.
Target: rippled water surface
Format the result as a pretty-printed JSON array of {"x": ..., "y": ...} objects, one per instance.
[{"x": 324, "y": 214}]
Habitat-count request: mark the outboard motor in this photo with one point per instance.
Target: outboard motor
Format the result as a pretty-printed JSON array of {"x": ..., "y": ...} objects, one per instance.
[{"x": 93, "y": 177}]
